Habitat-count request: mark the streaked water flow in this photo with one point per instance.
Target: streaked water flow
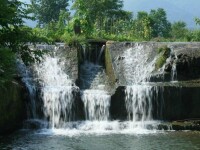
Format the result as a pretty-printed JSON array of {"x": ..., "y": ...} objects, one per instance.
[
  {"x": 56, "y": 90},
  {"x": 96, "y": 100},
  {"x": 138, "y": 94}
]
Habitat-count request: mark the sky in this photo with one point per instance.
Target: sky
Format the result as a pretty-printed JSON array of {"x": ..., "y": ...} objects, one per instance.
[{"x": 177, "y": 10}]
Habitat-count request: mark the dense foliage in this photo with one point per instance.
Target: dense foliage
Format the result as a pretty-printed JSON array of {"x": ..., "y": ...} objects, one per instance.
[
  {"x": 104, "y": 19},
  {"x": 14, "y": 37},
  {"x": 47, "y": 11}
]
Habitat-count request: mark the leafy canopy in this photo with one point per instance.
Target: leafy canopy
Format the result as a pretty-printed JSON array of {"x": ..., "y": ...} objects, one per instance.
[{"x": 47, "y": 11}]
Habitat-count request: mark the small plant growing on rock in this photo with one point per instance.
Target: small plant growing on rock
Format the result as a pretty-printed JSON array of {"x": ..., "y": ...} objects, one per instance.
[{"x": 164, "y": 53}]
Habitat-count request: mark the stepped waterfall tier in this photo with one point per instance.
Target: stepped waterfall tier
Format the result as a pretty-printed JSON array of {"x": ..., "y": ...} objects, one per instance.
[
  {"x": 136, "y": 64},
  {"x": 96, "y": 103},
  {"x": 55, "y": 90},
  {"x": 139, "y": 102},
  {"x": 138, "y": 94},
  {"x": 94, "y": 95},
  {"x": 89, "y": 102}
]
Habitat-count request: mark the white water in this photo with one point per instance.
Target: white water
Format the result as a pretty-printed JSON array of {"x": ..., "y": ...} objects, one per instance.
[
  {"x": 104, "y": 127},
  {"x": 56, "y": 90},
  {"x": 173, "y": 73},
  {"x": 137, "y": 66},
  {"x": 27, "y": 79},
  {"x": 57, "y": 97},
  {"x": 96, "y": 104},
  {"x": 100, "y": 54},
  {"x": 138, "y": 94},
  {"x": 94, "y": 96},
  {"x": 139, "y": 102}
]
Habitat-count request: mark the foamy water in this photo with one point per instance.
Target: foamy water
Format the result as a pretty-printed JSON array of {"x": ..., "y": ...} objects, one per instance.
[{"x": 103, "y": 127}]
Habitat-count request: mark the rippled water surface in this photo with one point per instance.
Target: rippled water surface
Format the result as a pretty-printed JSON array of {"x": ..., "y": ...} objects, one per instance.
[{"x": 39, "y": 140}]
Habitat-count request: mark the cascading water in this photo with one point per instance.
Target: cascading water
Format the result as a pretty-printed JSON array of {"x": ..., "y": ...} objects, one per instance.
[
  {"x": 138, "y": 102},
  {"x": 54, "y": 87},
  {"x": 27, "y": 78},
  {"x": 138, "y": 94},
  {"x": 56, "y": 94},
  {"x": 173, "y": 73},
  {"x": 56, "y": 90},
  {"x": 100, "y": 54},
  {"x": 96, "y": 100},
  {"x": 137, "y": 66},
  {"x": 97, "y": 104},
  {"x": 94, "y": 96},
  {"x": 173, "y": 70}
]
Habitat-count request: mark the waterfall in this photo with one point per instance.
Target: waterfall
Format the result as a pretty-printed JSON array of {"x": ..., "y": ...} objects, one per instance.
[
  {"x": 173, "y": 72},
  {"x": 56, "y": 90},
  {"x": 100, "y": 54},
  {"x": 139, "y": 102},
  {"x": 97, "y": 104},
  {"x": 138, "y": 66},
  {"x": 27, "y": 79},
  {"x": 50, "y": 88},
  {"x": 93, "y": 84}
]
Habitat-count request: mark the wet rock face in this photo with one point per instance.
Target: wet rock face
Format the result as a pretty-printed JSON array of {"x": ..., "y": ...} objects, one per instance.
[
  {"x": 13, "y": 98},
  {"x": 117, "y": 107},
  {"x": 69, "y": 55},
  {"x": 169, "y": 102},
  {"x": 184, "y": 56},
  {"x": 188, "y": 67}
]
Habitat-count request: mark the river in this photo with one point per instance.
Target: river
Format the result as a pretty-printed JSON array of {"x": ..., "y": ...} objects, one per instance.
[{"x": 47, "y": 140}]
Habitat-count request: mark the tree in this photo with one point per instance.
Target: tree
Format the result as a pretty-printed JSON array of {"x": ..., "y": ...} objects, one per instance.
[
  {"x": 179, "y": 30},
  {"x": 160, "y": 25},
  {"x": 197, "y": 20},
  {"x": 143, "y": 25},
  {"x": 13, "y": 35},
  {"x": 12, "y": 14},
  {"x": 47, "y": 11},
  {"x": 99, "y": 14}
]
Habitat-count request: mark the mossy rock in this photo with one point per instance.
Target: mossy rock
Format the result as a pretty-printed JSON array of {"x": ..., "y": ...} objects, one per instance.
[
  {"x": 164, "y": 53},
  {"x": 109, "y": 68}
]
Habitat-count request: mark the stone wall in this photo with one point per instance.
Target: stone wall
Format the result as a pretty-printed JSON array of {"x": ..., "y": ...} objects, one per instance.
[
  {"x": 173, "y": 101},
  {"x": 12, "y": 106},
  {"x": 69, "y": 55},
  {"x": 170, "y": 102},
  {"x": 185, "y": 56}
]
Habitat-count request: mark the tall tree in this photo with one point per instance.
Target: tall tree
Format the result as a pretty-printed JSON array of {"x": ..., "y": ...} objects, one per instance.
[
  {"x": 47, "y": 11},
  {"x": 99, "y": 13},
  {"x": 143, "y": 25},
  {"x": 96, "y": 8},
  {"x": 160, "y": 25}
]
